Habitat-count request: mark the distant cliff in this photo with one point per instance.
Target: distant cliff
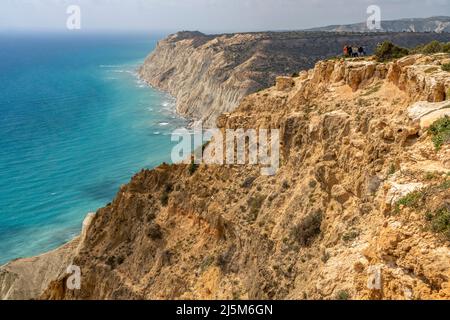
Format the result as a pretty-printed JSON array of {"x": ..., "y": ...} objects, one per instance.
[
  {"x": 432, "y": 24},
  {"x": 210, "y": 74}
]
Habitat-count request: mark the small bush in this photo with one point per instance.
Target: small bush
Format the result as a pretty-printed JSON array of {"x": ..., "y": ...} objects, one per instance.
[
  {"x": 430, "y": 176},
  {"x": 392, "y": 169},
  {"x": 168, "y": 188},
  {"x": 446, "y": 67},
  {"x": 445, "y": 185},
  {"x": 193, "y": 168},
  {"x": 446, "y": 47},
  {"x": 411, "y": 200},
  {"x": 164, "y": 199},
  {"x": 440, "y": 222},
  {"x": 308, "y": 229},
  {"x": 248, "y": 182},
  {"x": 342, "y": 295},
  {"x": 154, "y": 232},
  {"x": 350, "y": 236},
  {"x": 388, "y": 51},
  {"x": 432, "y": 47},
  {"x": 440, "y": 131},
  {"x": 255, "y": 204}
]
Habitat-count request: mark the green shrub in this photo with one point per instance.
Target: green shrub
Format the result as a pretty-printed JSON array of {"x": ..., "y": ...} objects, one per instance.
[
  {"x": 446, "y": 67},
  {"x": 440, "y": 131},
  {"x": 411, "y": 200},
  {"x": 445, "y": 185},
  {"x": 255, "y": 203},
  {"x": 446, "y": 47},
  {"x": 350, "y": 236},
  {"x": 387, "y": 51},
  {"x": 430, "y": 176},
  {"x": 392, "y": 169},
  {"x": 342, "y": 295},
  {"x": 432, "y": 47},
  {"x": 440, "y": 222}
]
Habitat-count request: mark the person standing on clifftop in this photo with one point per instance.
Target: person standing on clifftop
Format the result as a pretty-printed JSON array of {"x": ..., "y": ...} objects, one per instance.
[
  {"x": 361, "y": 51},
  {"x": 345, "y": 51}
]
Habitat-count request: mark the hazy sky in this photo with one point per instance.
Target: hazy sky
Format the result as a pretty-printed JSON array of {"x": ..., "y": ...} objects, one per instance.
[{"x": 206, "y": 15}]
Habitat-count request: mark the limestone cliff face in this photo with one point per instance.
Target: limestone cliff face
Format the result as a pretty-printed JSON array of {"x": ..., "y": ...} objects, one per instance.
[
  {"x": 27, "y": 279},
  {"x": 209, "y": 75},
  {"x": 332, "y": 223}
]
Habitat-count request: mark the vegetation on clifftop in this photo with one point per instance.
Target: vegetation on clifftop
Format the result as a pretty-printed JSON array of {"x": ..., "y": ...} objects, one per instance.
[
  {"x": 387, "y": 51},
  {"x": 440, "y": 131}
]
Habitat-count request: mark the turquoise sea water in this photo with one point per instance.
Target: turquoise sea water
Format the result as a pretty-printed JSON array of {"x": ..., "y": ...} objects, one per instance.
[{"x": 75, "y": 124}]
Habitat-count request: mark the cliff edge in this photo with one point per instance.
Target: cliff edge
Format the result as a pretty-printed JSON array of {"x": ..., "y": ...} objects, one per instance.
[
  {"x": 359, "y": 208},
  {"x": 210, "y": 74}
]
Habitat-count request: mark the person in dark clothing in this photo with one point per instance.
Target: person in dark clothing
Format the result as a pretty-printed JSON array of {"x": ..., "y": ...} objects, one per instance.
[
  {"x": 350, "y": 51},
  {"x": 361, "y": 51}
]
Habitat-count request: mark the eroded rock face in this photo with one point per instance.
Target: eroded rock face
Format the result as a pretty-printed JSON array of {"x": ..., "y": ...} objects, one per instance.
[
  {"x": 319, "y": 227},
  {"x": 210, "y": 74},
  {"x": 26, "y": 279}
]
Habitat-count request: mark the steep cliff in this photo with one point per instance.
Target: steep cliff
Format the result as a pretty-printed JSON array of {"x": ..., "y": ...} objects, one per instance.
[
  {"x": 210, "y": 74},
  {"x": 358, "y": 210}
]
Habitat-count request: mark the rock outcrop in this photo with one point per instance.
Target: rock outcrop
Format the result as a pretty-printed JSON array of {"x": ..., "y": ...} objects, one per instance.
[
  {"x": 353, "y": 212},
  {"x": 27, "y": 279},
  {"x": 210, "y": 74}
]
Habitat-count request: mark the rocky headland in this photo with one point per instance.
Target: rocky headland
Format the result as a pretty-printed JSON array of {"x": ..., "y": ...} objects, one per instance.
[
  {"x": 359, "y": 208},
  {"x": 210, "y": 74}
]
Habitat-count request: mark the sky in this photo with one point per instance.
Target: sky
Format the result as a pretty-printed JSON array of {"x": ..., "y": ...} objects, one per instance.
[{"x": 205, "y": 15}]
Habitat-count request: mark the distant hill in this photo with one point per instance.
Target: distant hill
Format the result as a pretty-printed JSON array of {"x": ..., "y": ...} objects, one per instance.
[{"x": 432, "y": 24}]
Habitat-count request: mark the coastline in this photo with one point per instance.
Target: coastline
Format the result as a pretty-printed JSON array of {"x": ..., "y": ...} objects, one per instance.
[
  {"x": 28, "y": 278},
  {"x": 296, "y": 81}
]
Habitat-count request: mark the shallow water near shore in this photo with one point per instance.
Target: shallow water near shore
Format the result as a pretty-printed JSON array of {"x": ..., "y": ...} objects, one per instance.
[{"x": 75, "y": 124}]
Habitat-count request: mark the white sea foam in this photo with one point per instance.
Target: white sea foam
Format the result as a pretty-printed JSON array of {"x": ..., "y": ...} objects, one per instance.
[
  {"x": 108, "y": 66},
  {"x": 163, "y": 124}
]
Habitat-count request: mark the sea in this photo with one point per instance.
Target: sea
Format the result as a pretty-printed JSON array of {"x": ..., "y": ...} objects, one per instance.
[{"x": 75, "y": 124}]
